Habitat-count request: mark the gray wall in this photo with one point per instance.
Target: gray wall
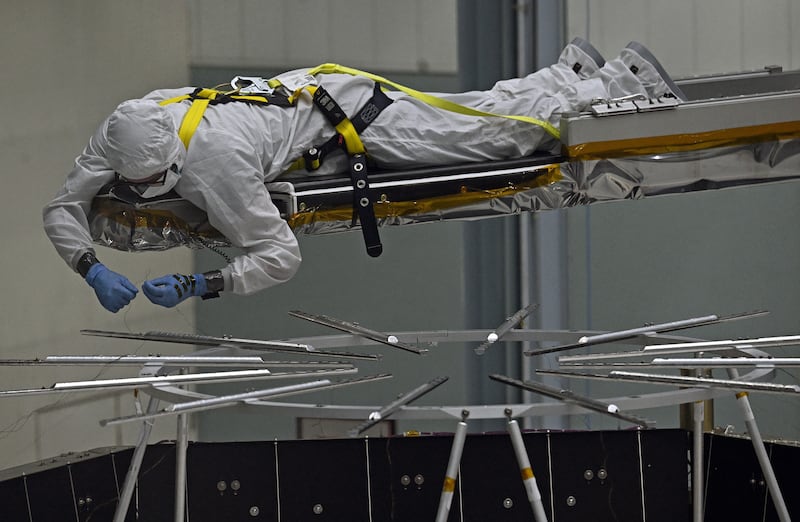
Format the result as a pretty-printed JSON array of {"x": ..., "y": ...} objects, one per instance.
[{"x": 65, "y": 66}]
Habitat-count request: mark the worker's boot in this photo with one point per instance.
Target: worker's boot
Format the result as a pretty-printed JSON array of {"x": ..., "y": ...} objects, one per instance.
[
  {"x": 649, "y": 71},
  {"x": 582, "y": 57}
]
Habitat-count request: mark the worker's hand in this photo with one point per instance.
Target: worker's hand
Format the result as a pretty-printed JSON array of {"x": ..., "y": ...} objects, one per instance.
[
  {"x": 113, "y": 290},
  {"x": 172, "y": 289}
]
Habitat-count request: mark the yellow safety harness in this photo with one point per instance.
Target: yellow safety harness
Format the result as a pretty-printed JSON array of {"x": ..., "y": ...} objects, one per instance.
[{"x": 347, "y": 129}]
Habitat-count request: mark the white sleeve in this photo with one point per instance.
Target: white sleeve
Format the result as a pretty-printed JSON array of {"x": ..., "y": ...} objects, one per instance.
[
  {"x": 224, "y": 177},
  {"x": 65, "y": 217}
]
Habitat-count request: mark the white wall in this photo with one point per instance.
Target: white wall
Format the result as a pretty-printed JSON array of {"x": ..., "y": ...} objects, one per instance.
[
  {"x": 65, "y": 65},
  {"x": 406, "y": 36},
  {"x": 694, "y": 36}
]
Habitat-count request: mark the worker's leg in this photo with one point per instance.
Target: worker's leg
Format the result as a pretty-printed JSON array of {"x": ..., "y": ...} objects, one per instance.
[
  {"x": 636, "y": 71},
  {"x": 410, "y": 132}
]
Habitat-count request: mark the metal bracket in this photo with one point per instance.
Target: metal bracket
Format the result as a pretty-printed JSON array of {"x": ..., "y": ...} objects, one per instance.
[{"x": 631, "y": 104}]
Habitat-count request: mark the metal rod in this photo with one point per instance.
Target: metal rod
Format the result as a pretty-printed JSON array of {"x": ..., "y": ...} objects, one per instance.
[
  {"x": 570, "y": 397},
  {"x": 181, "y": 447},
  {"x": 88, "y": 360},
  {"x": 376, "y": 416},
  {"x": 570, "y": 359},
  {"x": 168, "y": 380},
  {"x": 682, "y": 381},
  {"x": 698, "y": 408},
  {"x": 506, "y": 327},
  {"x": 252, "y": 344},
  {"x": 761, "y": 452},
  {"x": 451, "y": 475},
  {"x": 208, "y": 340},
  {"x": 528, "y": 478},
  {"x": 355, "y": 329},
  {"x": 647, "y": 330},
  {"x": 759, "y": 342},
  {"x": 223, "y": 401},
  {"x": 133, "y": 468},
  {"x": 706, "y": 362},
  {"x": 728, "y": 362}
]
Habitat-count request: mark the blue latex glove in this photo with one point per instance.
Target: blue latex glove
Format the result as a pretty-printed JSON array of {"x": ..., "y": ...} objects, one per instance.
[
  {"x": 113, "y": 290},
  {"x": 172, "y": 289}
]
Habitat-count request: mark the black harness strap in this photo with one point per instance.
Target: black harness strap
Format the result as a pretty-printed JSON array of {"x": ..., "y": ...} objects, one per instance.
[{"x": 362, "y": 201}]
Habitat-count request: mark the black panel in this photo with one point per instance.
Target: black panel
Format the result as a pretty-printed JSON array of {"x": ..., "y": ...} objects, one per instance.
[
  {"x": 422, "y": 461},
  {"x": 333, "y": 474},
  {"x": 665, "y": 465},
  {"x": 155, "y": 494},
  {"x": 735, "y": 488},
  {"x": 735, "y": 485},
  {"x": 50, "y": 495},
  {"x": 330, "y": 475},
  {"x": 122, "y": 460},
  {"x": 785, "y": 462},
  {"x": 95, "y": 487},
  {"x": 13, "y": 501},
  {"x": 233, "y": 481},
  {"x": 492, "y": 483},
  {"x": 613, "y": 490}
]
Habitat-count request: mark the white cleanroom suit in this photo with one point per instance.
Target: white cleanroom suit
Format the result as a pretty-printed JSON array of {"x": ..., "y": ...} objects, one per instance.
[{"x": 238, "y": 147}]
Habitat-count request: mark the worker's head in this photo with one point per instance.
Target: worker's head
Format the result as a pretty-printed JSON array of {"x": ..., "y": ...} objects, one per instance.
[{"x": 143, "y": 147}]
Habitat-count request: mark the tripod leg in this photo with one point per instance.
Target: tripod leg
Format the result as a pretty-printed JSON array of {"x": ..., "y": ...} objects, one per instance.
[
  {"x": 531, "y": 488},
  {"x": 452, "y": 470}
]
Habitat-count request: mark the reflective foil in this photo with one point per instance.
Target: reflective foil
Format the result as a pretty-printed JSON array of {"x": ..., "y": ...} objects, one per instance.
[{"x": 125, "y": 224}]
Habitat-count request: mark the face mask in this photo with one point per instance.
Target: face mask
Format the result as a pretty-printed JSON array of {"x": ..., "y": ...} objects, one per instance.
[{"x": 160, "y": 186}]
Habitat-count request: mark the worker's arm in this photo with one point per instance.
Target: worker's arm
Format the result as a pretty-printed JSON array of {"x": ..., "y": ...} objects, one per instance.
[
  {"x": 224, "y": 176},
  {"x": 66, "y": 224}
]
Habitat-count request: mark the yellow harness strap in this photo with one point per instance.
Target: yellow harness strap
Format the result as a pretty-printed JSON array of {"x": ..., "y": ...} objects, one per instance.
[
  {"x": 345, "y": 127},
  {"x": 201, "y": 99},
  {"x": 330, "y": 68}
]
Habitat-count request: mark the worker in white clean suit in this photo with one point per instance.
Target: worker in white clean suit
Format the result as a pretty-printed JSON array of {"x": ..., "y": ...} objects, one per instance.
[{"x": 237, "y": 147}]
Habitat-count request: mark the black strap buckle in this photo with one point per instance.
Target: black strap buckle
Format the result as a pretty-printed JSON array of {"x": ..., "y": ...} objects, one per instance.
[{"x": 362, "y": 205}]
